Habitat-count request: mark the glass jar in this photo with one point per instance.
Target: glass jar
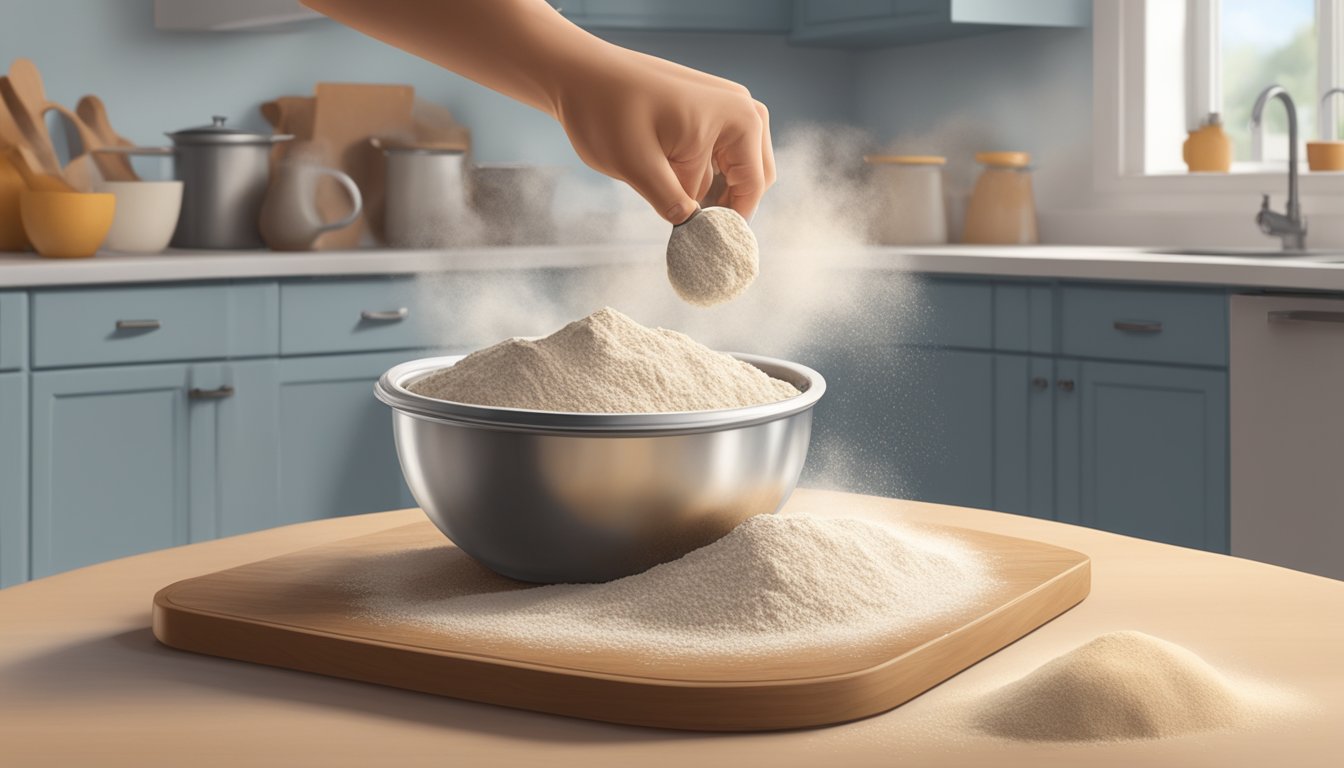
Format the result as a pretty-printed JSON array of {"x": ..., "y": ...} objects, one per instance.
[
  {"x": 909, "y": 191},
  {"x": 1001, "y": 209}
]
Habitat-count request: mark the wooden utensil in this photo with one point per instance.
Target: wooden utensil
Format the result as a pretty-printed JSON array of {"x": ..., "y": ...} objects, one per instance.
[
  {"x": 293, "y": 611},
  {"x": 345, "y": 116},
  {"x": 433, "y": 125},
  {"x": 90, "y": 109},
  {"x": 292, "y": 115},
  {"x": 33, "y": 176},
  {"x": 27, "y": 100}
]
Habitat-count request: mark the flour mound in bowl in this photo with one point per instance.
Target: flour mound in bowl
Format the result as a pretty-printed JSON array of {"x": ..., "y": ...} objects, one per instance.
[
  {"x": 1120, "y": 686},
  {"x": 712, "y": 258},
  {"x": 604, "y": 363}
]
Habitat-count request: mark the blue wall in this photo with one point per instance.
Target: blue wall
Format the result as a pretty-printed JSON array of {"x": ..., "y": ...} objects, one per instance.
[{"x": 157, "y": 81}]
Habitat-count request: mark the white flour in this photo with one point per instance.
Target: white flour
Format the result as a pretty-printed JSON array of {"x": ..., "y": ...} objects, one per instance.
[
  {"x": 1123, "y": 685},
  {"x": 604, "y": 363},
  {"x": 777, "y": 584},
  {"x": 713, "y": 257}
]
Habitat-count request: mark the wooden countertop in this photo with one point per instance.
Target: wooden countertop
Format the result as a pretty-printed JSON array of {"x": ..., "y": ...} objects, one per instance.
[{"x": 82, "y": 680}]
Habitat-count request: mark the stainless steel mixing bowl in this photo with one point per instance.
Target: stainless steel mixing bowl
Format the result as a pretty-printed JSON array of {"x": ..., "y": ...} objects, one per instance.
[{"x": 571, "y": 497}]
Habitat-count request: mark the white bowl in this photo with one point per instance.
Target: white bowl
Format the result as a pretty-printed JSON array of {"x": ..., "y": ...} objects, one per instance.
[{"x": 146, "y": 215}]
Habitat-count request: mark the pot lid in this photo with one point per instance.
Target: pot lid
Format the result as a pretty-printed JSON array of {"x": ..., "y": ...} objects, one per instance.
[{"x": 218, "y": 133}]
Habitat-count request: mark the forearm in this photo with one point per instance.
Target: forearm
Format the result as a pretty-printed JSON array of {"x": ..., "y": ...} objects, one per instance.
[{"x": 521, "y": 48}]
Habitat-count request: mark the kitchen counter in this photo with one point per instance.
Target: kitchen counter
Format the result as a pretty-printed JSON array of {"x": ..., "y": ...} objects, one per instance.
[
  {"x": 1061, "y": 262},
  {"x": 82, "y": 680}
]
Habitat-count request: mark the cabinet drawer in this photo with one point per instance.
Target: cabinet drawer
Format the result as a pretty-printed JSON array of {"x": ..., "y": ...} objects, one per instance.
[
  {"x": 949, "y": 313},
  {"x": 351, "y": 316},
  {"x": 13, "y": 330},
  {"x": 1188, "y": 327},
  {"x": 133, "y": 325}
]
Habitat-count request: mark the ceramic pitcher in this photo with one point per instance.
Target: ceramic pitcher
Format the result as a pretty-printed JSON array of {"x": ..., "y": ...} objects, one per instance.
[{"x": 290, "y": 220}]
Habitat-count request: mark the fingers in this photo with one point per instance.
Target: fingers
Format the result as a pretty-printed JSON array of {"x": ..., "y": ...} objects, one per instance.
[
  {"x": 655, "y": 181},
  {"x": 767, "y": 146},
  {"x": 741, "y": 157}
]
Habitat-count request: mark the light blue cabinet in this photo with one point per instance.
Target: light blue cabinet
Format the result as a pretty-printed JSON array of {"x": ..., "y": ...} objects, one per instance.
[
  {"x": 1143, "y": 451},
  {"x": 13, "y": 478},
  {"x": 772, "y": 16},
  {"x": 1023, "y": 435},
  {"x": 110, "y": 464},
  {"x": 132, "y": 459},
  {"x": 911, "y": 422},
  {"x": 336, "y": 454},
  {"x": 13, "y": 330},
  {"x": 874, "y": 23},
  {"x": 992, "y": 397}
]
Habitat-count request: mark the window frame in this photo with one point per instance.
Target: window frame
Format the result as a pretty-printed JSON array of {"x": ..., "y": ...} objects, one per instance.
[{"x": 1119, "y": 110}]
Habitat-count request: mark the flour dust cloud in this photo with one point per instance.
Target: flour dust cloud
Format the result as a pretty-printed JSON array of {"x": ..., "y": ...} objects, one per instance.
[{"x": 817, "y": 301}]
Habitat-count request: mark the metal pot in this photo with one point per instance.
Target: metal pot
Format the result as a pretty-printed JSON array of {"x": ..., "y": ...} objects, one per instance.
[
  {"x": 224, "y": 174},
  {"x": 426, "y": 203}
]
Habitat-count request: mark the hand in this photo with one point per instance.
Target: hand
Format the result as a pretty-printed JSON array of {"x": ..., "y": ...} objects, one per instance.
[
  {"x": 658, "y": 126},
  {"x": 663, "y": 129}
]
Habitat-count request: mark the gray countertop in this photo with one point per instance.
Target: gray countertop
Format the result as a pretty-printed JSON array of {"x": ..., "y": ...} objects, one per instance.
[{"x": 1063, "y": 262}]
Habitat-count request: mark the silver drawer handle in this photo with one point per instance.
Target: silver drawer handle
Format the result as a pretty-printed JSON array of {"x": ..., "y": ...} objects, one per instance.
[
  {"x": 1137, "y": 326},
  {"x": 385, "y": 316},
  {"x": 138, "y": 325},
  {"x": 1305, "y": 316},
  {"x": 210, "y": 394}
]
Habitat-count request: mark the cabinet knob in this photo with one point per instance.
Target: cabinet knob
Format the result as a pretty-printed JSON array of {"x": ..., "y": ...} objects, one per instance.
[
  {"x": 1065, "y": 385},
  {"x": 1040, "y": 383},
  {"x": 1138, "y": 326},
  {"x": 385, "y": 315},
  {"x": 210, "y": 394},
  {"x": 138, "y": 325}
]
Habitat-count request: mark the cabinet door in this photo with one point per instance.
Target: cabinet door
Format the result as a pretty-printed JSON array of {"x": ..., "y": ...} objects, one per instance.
[
  {"x": 234, "y": 433},
  {"x": 13, "y": 478},
  {"x": 908, "y": 422},
  {"x": 1142, "y": 450},
  {"x": 110, "y": 464},
  {"x": 1024, "y": 435},
  {"x": 337, "y": 456}
]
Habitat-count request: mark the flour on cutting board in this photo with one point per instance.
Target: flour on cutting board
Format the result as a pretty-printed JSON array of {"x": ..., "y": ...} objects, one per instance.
[{"x": 777, "y": 584}]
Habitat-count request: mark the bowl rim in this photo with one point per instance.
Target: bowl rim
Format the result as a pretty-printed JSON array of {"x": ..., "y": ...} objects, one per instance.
[{"x": 391, "y": 390}]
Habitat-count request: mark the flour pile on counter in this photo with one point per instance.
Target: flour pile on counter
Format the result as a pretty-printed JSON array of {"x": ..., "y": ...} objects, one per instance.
[
  {"x": 774, "y": 584},
  {"x": 1122, "y": 685},
  {"x": 713, "y": 257},
  {"x": 604, "y": 363}
]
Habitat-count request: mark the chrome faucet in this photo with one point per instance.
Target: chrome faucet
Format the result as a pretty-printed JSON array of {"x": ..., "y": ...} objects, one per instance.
[{"x": 1288, "y": 226}]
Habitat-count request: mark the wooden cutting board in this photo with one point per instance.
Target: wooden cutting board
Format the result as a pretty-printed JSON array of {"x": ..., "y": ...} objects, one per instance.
[
  {"x": 292, "y": 611},
  {"x": 345, "y": 117}
]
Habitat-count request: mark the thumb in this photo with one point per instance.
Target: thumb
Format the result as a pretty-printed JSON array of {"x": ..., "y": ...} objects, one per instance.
[{"x": 658, "y": 184}]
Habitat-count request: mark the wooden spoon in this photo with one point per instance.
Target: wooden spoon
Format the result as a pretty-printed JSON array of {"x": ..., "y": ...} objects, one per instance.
[
  {"x": 36, "y": 179},
  {"x": 114, "y": 167},
  {"x": 27, "y": 100}
]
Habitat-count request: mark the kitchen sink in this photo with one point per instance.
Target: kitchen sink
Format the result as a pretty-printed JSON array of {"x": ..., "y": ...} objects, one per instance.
[{"x": 1318, "y": 255}]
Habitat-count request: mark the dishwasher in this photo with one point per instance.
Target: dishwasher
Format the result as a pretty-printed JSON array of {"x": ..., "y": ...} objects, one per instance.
[{"x": 1287, "y": 431}]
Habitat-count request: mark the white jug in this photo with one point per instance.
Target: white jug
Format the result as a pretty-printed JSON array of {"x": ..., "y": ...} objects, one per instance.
[{"x": 290, "y": 220}]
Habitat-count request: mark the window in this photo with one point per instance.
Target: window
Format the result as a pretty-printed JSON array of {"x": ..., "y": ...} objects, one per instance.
[
  {"x": 1261, "y": 42},
  {"x": 1163, "y": 66}
]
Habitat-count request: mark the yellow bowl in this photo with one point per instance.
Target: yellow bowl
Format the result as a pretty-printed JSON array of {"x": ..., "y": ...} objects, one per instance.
[
  {"x": 66, "y": 225},
  {"x": 11, "y": 228},
  {"x": 1325, "y": 155}
]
